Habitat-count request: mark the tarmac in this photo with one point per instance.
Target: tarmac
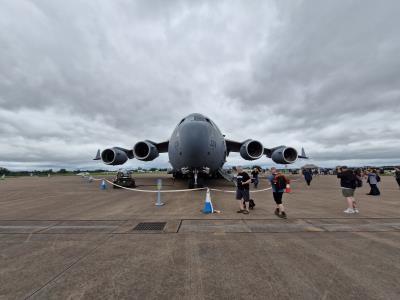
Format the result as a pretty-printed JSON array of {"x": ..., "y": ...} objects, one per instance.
[{"x": 65, "y": 238}]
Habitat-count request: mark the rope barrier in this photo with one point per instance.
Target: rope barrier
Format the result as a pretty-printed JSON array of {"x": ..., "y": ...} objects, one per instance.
[
  {"x": 225, "y": 191},
  {"x": 155, "y": 191},
  {"x": 177, "y": 191}
]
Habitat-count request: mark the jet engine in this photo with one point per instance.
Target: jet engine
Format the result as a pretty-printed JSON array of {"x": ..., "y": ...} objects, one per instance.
[
  {"x": 145, "y": 150},
  {"x": 284, "y": 155},
  {"x": 114, "y": 156},
  {"x": 251, "y": 150}
]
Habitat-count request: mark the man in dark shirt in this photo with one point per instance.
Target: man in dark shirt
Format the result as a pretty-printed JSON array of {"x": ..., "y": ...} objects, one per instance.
[
  {"x": 243, "y": 189},
  {"x": 348, "y": 183}
]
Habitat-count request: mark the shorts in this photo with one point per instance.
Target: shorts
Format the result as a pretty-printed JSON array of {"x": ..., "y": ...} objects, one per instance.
[
  {"x": 243, "y": 194},
  {"x": 347, "y": 192},
  {"x": 277, "y": 197}
]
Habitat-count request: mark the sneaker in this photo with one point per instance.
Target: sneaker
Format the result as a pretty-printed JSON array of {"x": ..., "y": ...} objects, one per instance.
[
  {"x": 245, "y": 212},
  {"x": 277, "y": 211},
  {"x": 356, "y": 211},
  {"x": 283, "y": 215},
  {"x": 349, "y": 211}
]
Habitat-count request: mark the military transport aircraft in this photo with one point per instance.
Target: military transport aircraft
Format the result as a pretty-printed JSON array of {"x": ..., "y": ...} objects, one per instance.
[{"x": 197, "y": 149}]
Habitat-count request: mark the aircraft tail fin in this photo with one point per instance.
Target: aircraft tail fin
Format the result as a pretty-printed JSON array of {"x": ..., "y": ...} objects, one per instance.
[
  {"x": 98, "y": 157},
  {"x": 303, "y": 154}
]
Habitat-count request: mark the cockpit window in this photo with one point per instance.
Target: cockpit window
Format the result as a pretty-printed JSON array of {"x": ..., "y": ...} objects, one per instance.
[
  {"x": 199, "y": 118},
  {"x": 181, "y": 121}
]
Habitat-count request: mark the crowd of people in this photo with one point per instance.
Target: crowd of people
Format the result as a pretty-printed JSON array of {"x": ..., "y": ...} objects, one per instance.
[
  {"x": 350, "y": 180},
  {"x": 278, "y": 184}
]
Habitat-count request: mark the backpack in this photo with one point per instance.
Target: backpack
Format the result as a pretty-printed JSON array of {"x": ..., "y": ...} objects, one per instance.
[
  {"x": 279, "y": 182},
  {"x": 251, "y": 204},
  {"x": 359, "y": 182},
  {"x": 378, "y": 178}
]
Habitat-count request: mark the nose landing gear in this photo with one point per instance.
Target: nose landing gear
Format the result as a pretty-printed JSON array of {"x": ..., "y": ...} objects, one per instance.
[{"x": 197, "y": 181}]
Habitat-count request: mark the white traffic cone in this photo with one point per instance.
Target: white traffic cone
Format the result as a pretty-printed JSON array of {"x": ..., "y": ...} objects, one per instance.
[{"x": 208, "y": 207}]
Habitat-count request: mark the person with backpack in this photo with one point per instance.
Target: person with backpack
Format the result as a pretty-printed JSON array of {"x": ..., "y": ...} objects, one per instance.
[
  {"x": 242, "y": 189},
  {"x": 348, "y": 183},
  {"x": 278, "y": 183},
  {"x": 373, "y": 179},
  {"x": 397, "y": 175}
]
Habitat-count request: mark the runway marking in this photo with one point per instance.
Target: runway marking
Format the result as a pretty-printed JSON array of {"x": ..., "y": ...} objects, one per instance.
[{"x": 228, "y": 225}]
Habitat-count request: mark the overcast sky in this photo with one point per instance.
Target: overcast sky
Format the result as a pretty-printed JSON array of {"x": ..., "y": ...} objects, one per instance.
[{"x": 76, "y": 76}]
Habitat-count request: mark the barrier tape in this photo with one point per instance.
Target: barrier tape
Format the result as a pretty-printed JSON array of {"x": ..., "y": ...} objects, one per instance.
[
  {"x": 177, "y": 191},
  {"x": 155, "y": 191},
  {"x": 225, "y": 191}
]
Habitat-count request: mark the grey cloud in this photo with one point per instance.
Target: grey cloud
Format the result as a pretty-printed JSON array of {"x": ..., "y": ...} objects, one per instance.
[{"x": 79, "y": 75}]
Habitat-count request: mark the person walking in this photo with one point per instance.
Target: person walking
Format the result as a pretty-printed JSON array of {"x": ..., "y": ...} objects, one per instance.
[
  {"x": 348, "y": 183},
  {"x": 397, "y": 175},
  {"x": 278, "y": 183},
  {"x": 307, "y": 176},
  {"x": 254, "y": 174},
  {"x": 242, "y": 189},
  {"x": 373, "y": 179}
]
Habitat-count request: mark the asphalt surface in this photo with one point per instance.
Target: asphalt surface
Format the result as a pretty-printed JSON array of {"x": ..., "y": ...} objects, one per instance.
[{"x": 65, "y": 238}]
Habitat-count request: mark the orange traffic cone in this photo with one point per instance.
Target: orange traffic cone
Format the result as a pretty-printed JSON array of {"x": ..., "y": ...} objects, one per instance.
[{"x": 288, "y": 188}]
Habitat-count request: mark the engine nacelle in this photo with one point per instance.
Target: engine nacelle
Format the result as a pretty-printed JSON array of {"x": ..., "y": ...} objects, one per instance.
[
  {"x": 114, "y": 156},
  {"x": 284, "y": 155},
  {"x": 145, "y": 151},
  {"x": 251, "y": 150}
]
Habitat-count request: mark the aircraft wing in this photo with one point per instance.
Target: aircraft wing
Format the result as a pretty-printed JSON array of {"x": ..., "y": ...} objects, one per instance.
[
  {"x": 129, "y": 153},
  {"x": 143, "y": 150},
  {"x": 259, "y": 150},
  {"x": 234, "y": 146},
  {"x": 161, "y": 147}
]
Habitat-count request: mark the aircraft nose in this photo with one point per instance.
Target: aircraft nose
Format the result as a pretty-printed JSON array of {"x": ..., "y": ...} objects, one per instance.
[{"x": 195, "y": 140}]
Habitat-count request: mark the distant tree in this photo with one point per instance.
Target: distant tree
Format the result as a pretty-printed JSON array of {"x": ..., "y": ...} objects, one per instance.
[
  {"x": 4, "y": 171},
  {"x": 62, "y": 171}
]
